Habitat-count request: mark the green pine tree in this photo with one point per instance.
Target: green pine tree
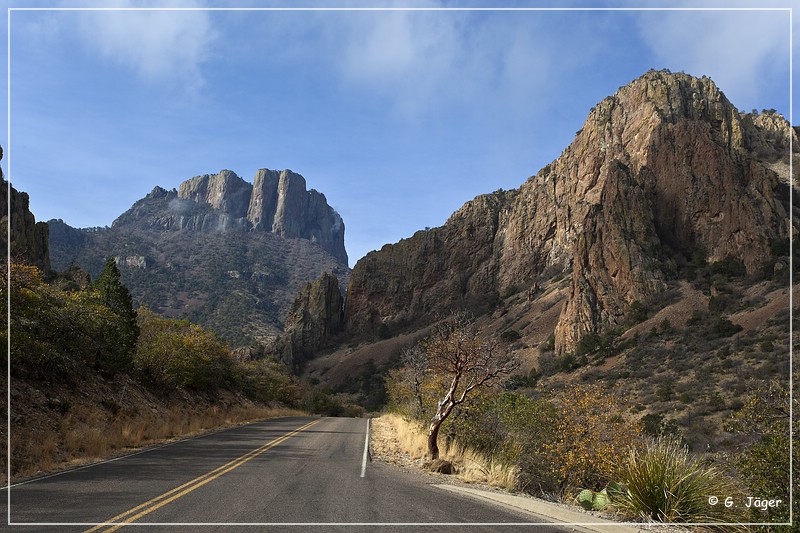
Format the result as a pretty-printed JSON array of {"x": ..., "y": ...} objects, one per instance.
[{"x": 114, "y": 295}]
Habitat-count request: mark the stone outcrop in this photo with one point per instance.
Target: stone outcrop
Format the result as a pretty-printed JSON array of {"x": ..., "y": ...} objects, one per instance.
[
  {"x": 29, "y": 239},
  {"x": 315, "y": 317},
  {"x": 225, "y": 191},
  {"x": 276, "y": 201},
  {"x": 664, "y": 170},
  {"x": 280, "y": 203}
]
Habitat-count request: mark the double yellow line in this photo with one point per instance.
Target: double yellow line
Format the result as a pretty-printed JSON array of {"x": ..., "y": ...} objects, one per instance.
[{"x": 159, "y": 501}]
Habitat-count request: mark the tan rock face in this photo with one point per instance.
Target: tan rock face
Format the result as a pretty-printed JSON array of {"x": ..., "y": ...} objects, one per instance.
[
  {"x": 276, "y": 202},
  {"x": 224, "y": 191},
  {"x": 315, "y": 316},
  {"x": 665, "y": 166}
]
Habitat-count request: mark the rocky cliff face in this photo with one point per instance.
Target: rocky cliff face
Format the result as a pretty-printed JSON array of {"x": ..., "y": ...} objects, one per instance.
[
  {"x": 280, "y": 203},
  {"x": 29, "y": 239},
  {"x": 277, "y": 202},
  {"x": 664, "y": 170},
  {"x": 315, "y": 316}
]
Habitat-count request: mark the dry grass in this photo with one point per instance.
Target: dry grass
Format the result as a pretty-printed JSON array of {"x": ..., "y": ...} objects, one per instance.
[
  {"x": 399, "y": 441},
  {"x": 88, "y": 434}
]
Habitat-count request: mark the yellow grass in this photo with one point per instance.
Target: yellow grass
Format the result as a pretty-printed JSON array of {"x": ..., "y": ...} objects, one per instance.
[
  {"x": 85, "y": 436},
  {"x": 398, "y": 440}
]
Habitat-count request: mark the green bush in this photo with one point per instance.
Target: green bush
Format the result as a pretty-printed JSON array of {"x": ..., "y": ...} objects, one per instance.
[
  {"x": 511, "y": 428},
  {"x": 665, "y": 484},
  {"x": 510, "y": 335},
  {"x": 722, "y": 327},
  {"x": 267, "y": 380},
  {"x": 109, "y": 291},
  {"x": 637, "y": 312},
  {"x": 590, "y": 430},
  {"x": 763, "y": 463},
  {"x": 52, "y": 329},
  {"x": 177, "y": 353}
]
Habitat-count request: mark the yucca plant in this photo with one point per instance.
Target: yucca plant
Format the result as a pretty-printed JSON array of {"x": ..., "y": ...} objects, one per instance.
[{"x": 665, "y": 484}]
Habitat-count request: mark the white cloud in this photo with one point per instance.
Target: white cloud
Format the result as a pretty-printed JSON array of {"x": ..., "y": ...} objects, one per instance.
[
  {"x": 406, "y": 56},
  {"x": 736, "y": 49},
  {"x": 157, "y": 45},
  {"x": 422, "y": 62}
]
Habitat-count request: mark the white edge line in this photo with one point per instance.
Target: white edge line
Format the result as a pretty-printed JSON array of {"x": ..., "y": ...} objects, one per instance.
[{"x": 366, "y": 451}]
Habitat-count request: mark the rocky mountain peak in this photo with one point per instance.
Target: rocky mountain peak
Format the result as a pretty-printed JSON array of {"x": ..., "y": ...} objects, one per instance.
[
  {"x": 315, "y": 317},
  {"x": 221, "y": 252},
  {"x": 276, "y": 202},
  {"x": 159, "y": 193},
  {"x": 664, "y": 170},
  {"x": 224, "y": 191},
  {"x": 280, "y": 203}
]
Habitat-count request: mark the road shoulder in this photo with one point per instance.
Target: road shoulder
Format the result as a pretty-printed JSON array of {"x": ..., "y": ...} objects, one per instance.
[{"x": 552, "y": 513}]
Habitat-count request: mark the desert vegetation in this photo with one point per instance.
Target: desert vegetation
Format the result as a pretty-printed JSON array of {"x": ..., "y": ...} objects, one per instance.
[
  {"x": 91, "y": 376},
  {"x": 587, "y": 444}
]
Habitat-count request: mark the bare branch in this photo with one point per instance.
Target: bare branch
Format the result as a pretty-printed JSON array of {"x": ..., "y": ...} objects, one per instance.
[{"x": 457, "y": 348}]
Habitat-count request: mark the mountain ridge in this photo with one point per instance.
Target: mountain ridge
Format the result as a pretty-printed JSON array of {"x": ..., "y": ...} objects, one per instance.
[
  {"x": 276, "y": 201},
  {"x": 664, "y": 170},
  {"x": 215, "y": 252}
]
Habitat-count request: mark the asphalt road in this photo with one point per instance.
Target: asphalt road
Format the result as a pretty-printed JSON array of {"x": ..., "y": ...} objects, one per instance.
[{"x": 289, "y": 474}]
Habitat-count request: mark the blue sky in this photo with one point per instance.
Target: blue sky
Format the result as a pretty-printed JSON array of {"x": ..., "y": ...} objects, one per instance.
[{"x": 398, "y": 117}]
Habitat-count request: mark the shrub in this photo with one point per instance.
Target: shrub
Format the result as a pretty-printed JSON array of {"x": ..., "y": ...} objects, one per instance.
[
  {"x": 510, "y": 335},
  {"x": 723, "y": 327},
  {"x": 763, "y": 463},
  {"x": 512, "y": 429},
  {"x": 588, "y": 344},
  {"x": 697, "y": 318},
  {"x": 637, "y": 312},
  {"x": 590, "y": 430},
  {"x": 779, "y": 247},
  {"x": 267, "y": 380},
  {"x": 177, "y": 353},
  {"x": 728, "y": 268},
  {"x": 665, "y": 484},
  {"x": 652, "y": 423},
  {"x": 52, "y": 329}
]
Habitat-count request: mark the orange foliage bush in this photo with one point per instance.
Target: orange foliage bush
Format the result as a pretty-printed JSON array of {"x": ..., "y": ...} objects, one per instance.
[{"x": 591, "y": 430}]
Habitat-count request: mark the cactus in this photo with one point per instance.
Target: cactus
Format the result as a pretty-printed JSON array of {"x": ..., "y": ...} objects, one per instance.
[
  {"x": 593, "y": 501},
  {"x": 600, "y": 500},
  {"x": 585, "y": 498}
]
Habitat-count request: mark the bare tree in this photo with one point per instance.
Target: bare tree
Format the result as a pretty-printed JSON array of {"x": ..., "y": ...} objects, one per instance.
[
  {"x": 456, "y": 349},
  {"x": 415, "y": 365}
]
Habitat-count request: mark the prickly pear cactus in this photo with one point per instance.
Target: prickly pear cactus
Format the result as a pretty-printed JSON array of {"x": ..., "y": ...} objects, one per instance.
[
  {"x": 600, "y": 500},
  {"x": 586, "y": 499},
  {"x": 593, "y": 501}
]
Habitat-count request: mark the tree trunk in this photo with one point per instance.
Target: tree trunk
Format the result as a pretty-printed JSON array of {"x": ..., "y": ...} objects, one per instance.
[{"x": 433, "y": 436}]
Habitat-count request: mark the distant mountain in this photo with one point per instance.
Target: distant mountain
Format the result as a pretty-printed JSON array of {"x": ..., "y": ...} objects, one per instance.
[
  {"x": 663, "y": 174},
  {"x": 218, "y": 251}
]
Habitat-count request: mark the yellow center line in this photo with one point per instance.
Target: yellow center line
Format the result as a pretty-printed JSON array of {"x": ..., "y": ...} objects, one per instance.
[{"x": 159, "y": 501}]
